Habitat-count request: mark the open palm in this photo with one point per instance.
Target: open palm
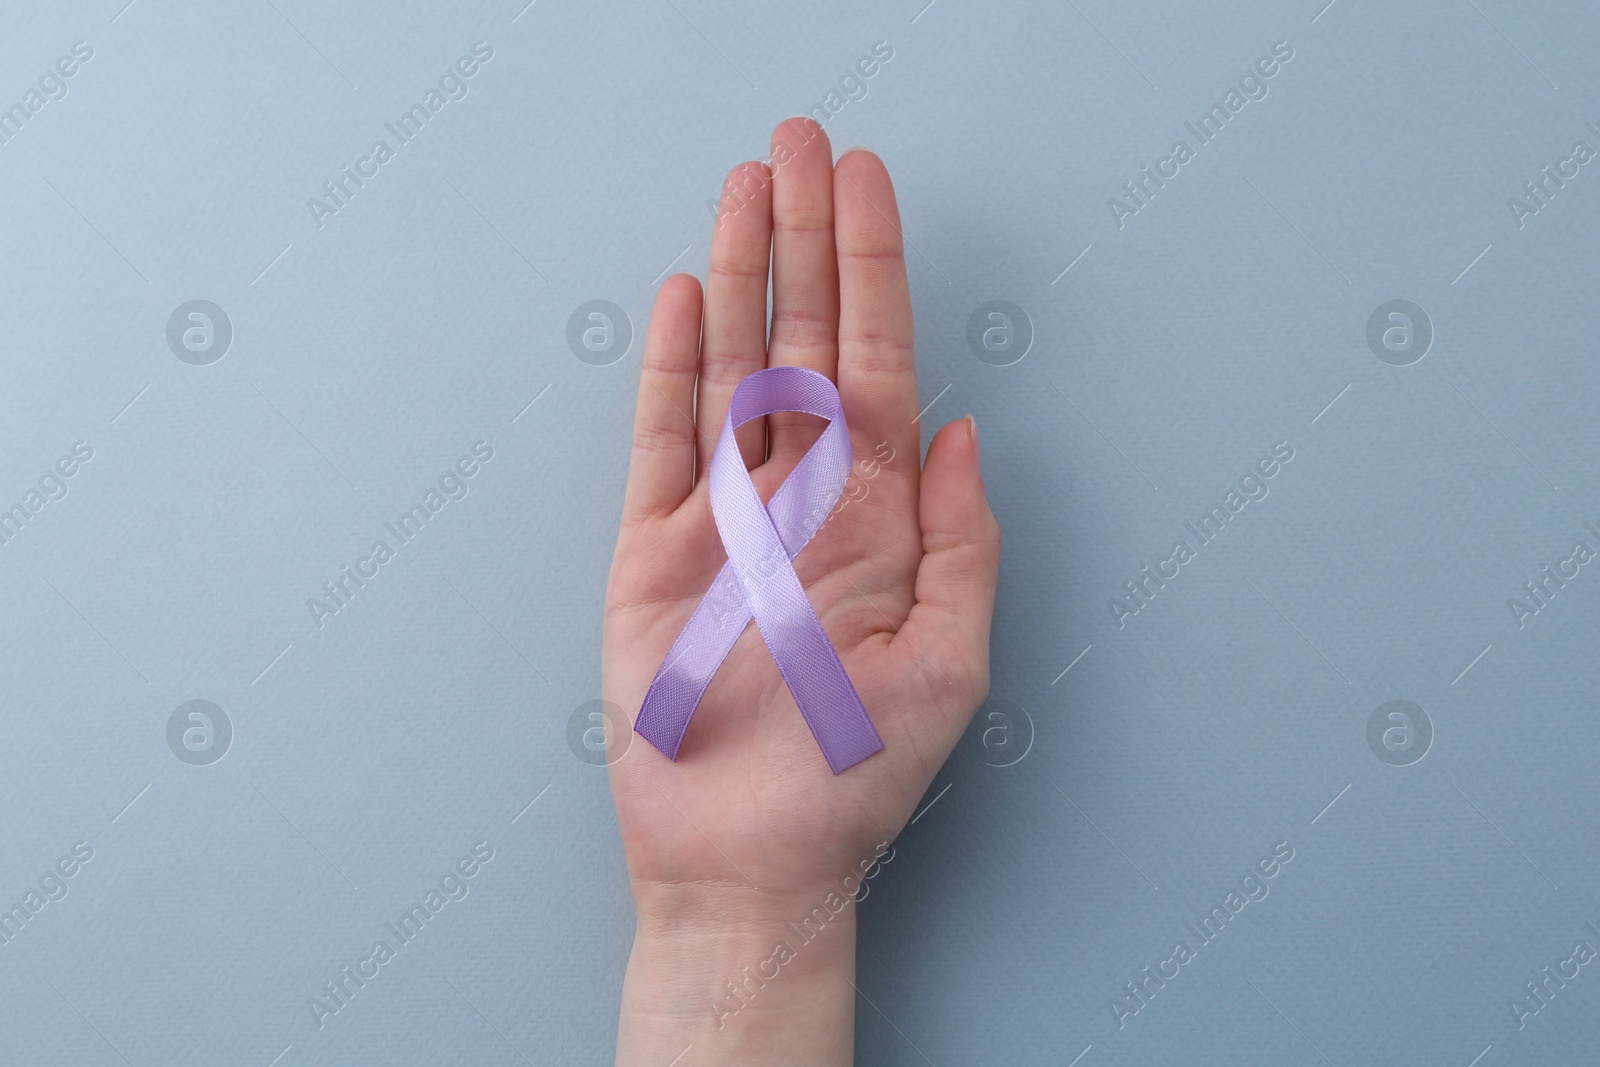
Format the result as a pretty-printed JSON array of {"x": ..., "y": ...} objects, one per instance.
[{"x": 902, "y": 575}]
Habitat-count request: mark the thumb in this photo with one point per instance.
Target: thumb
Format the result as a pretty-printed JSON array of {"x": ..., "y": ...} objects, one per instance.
[{"x": 960, "y": 564}]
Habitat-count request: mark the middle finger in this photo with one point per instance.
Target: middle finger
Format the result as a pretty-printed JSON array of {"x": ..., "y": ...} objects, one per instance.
[{"x": 805, "y": 272}]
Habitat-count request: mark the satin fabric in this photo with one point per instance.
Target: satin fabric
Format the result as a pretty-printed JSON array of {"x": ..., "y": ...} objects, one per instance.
[{"x": 759, "y": 581}]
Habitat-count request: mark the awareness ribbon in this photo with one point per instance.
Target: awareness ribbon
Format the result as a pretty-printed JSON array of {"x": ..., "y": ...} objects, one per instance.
[{"x": 759, "y": 580}]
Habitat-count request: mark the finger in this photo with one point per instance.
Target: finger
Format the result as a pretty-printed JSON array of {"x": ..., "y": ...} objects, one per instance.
[
  {"x": 805, "y": 271},
  {"x": 734, "y": 342},
  {"x": 949, "y": 624},
  {"x": 661, "y": 468},
  {"x": 877, "y": 364}
]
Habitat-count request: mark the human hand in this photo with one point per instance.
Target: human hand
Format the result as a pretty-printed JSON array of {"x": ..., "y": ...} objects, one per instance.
[{"x": 749, "y": 830}]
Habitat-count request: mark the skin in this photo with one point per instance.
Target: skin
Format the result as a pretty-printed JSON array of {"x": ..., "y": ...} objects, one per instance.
[{"x": 748, "y": 831}]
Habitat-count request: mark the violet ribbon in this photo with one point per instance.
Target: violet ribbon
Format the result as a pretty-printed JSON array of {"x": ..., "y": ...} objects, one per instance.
[{"x": 759, "y": 581}]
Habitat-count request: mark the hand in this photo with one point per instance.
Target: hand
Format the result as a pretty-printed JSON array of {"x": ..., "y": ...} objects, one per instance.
[{"x": 749, "y": 830}]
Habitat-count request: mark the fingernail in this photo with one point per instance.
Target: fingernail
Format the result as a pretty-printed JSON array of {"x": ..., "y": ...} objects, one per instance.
[
  {"x": 972, "y": 428},
  {"x": 856, "y": 148}
]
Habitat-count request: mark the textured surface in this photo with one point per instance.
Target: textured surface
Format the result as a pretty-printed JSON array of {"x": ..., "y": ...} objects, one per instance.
[{"x": 1168, "y": 345}]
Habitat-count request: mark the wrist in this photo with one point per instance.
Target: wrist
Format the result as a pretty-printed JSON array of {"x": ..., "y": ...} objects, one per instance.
[{"x": 740, "y": 976}]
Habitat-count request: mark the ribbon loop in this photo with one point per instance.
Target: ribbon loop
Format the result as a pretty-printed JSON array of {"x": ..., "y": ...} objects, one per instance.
[{"x": 759, "y": 581}]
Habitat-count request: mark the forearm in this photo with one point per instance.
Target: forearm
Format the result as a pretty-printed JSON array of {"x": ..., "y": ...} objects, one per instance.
[{"x": 727, "y": 979}]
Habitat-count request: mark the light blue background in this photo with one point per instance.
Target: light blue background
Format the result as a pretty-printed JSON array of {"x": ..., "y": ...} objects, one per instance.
[{"x": 370, "y": 353}]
